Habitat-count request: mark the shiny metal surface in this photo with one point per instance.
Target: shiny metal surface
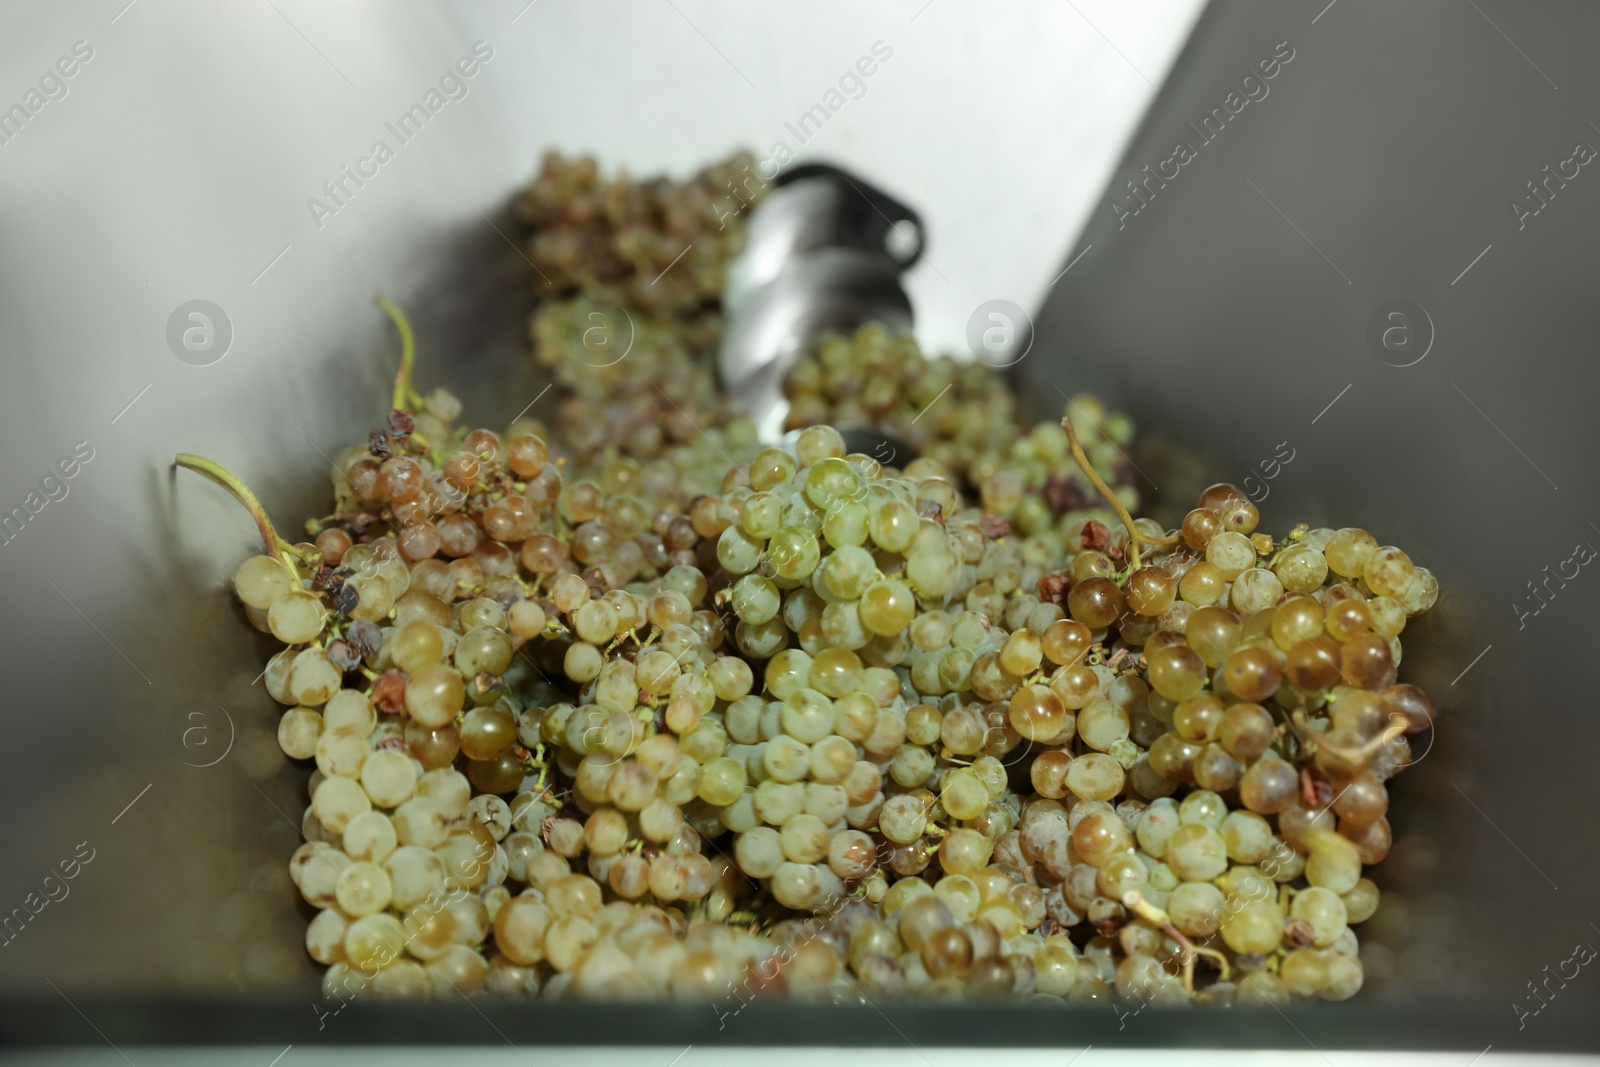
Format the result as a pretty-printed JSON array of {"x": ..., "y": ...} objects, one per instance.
[
  {"x": 903, "y": 1056},
  {"x": 186, "y": 160},
  {"x": 824, "y": 252},
  {"x": 1245, "y": 305},
  {"x": 178, "y": 165},
  {"x": 793, "y": 219},
  {"x": 835, "y": 289}
]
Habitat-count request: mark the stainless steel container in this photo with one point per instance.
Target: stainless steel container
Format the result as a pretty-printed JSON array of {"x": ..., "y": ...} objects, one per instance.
[{"x": 206, "y": 152}]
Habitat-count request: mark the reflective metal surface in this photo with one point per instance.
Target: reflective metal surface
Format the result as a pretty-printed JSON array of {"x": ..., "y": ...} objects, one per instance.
[
  {"x": 823, "y": 253},
  {"x": 189, "y": 156},
  {"x": 836, "y": 289},
  {"x": 1343, "y": 274},
  {"x": 179, "y": 165}
]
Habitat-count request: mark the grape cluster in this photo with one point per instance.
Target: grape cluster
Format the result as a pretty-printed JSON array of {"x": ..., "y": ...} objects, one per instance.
[
  {"x": 658, "y": 395},
  {"x": 876, "y": 378},
  {"x": 962, "y": 414},
  {"x": 614, "y": 737},
  {"x": 630, "y": 278},
  {"x": 621, "y": 235},
  {"x": 656, "y": 712}
]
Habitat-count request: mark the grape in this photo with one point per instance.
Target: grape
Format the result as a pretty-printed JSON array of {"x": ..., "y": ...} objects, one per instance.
[
  {"x": 1095, "y": 602},
  {"x": 337, "y": 801},
  {"x": 1252, "y": 673},
  {"x": 1254, "y": 926},
  {"x": 433, "y": 695},
  {"x": 373, "y": 940},
  {"x": 1196, "y": 852},
  {"x": 261, "y": 580},
  {"x": 1038, "y": 715},
  {"x": 296, "y": 617},
  {"x": 1230, "y": 553},
  {"x": 1345, "y": 976},
  {"x": 1176, "y": 672}
]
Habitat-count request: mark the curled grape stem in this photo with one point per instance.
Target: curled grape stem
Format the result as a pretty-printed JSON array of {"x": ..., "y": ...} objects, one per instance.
[
  {"x": 1135, "y": 535},
  {"x": 404, "y": 395},
  {"x": 270, "y": 541},
  {"x": 1147, "y": 911},
  {"x": 1362, "y": 754}
]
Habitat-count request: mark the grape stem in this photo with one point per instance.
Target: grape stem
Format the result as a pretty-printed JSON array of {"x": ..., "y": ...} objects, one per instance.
[
  {"x": 1362, "y": 754},
  {"x": 1135, "y": 535},
  {"x": 1147, "y": 911},
  {"x": 271, "y": 542},
  {"x": 404, "y": 394}
]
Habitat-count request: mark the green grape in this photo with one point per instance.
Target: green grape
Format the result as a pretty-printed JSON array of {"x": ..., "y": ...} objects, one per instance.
[
  {"x": 818, "y": 443},
  {"x": 925, "y": 675},
  {"x": 807, "y": 715},
  {"x": 771, "y": 467},
  {"x": 762, "y": 516},
  {"x": 798, "y": 512},
  {"x": 930, "y": 571},
  {"x": 892, "y": 523},
  {"x": 755, "y": 599},
  {"x": 842, "y": 626},
  {"x": 688, "y": 581},
  {"x": 837, "y": 672},
  {"x": 971, "y": 631},
  {"x": 761, "y": 640},
  {"x": 848, "y": 571},
  {"x": 787, "y": 673},
  {"x": 931, "y": 630},
  {"x": 794, "y": 553},
  {"x": 955, "y": 670},
  {"x": 846, "y": 524},
  {"x": 738, "y": 551},
  {"x": 887, "y": 607},
  {"x": 786, "y": 759},
  {"x": 722, "y": 781},
  {"x": 831, "y": 483}
]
